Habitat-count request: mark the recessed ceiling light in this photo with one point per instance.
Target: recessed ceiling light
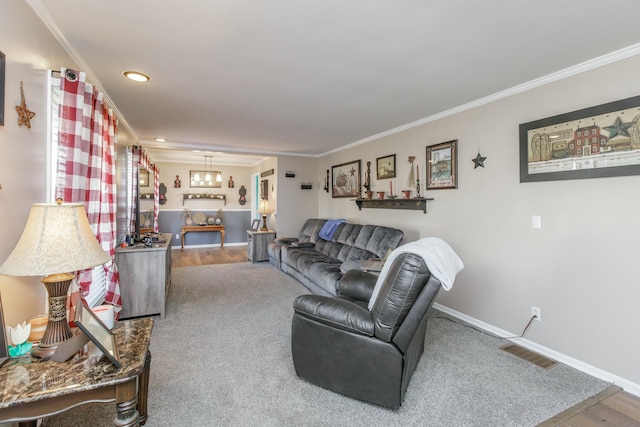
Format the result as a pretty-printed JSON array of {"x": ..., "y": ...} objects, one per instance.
[
  {"x": 161, "y": 139},
  {"x": 136, "y": 76}
]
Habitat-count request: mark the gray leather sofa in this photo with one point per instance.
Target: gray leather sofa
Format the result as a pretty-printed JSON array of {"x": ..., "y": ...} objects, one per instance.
[
  {"x": 338, "y": 344},
  {"x": 317, "y": 262}
]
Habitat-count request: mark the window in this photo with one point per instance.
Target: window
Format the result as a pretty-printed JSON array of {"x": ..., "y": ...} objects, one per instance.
[
  {"x": 98, "y": 289},
  {"x": 593, "y": 131}
]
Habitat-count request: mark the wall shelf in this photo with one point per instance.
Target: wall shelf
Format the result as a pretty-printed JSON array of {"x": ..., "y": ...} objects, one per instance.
[
  {"x": 204, "y": 196},
  {"x": 418, "y": 203}
]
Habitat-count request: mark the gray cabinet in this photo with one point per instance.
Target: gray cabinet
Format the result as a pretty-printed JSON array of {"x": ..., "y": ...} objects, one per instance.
[
  {"x": 145, "y": 277},
  {"x": 257, "y": 242}
]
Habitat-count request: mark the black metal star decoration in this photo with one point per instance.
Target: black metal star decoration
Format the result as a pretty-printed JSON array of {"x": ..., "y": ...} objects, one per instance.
[{"x": 478, "y": 161}]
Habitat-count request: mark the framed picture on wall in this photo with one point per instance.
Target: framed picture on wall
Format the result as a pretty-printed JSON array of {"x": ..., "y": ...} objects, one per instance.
[
  {"x": 386, "y": 167},
  {"x": 345, "y": 179},
  {"x": 593, "y": 142},
  {"x": 264, "y": 189},
  {"x": 442, "y": 165},
  {"x": 144, "y": 178}
]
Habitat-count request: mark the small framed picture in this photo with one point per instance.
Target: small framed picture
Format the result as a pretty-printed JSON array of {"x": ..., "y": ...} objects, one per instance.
[
  {"x": 4, "y": 350},
  {"x": 255, "y": 224},
  {"x": 442, "y": 165},
  {"x": 386, "y": 167},
  {"x": 144, "y": 178},
  {"x": 97, "y": 332}
]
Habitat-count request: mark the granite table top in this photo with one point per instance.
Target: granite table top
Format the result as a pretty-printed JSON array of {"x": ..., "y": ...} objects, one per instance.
[{"x": 30, "y": 379}]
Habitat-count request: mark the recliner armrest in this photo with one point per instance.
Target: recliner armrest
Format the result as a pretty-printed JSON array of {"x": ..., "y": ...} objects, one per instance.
[
  {"x": 335, "y": 312},
  {"x": 286, "y": 240},
  {"x": 358, "y": 285},
  {"x": 302, "y": 245}
]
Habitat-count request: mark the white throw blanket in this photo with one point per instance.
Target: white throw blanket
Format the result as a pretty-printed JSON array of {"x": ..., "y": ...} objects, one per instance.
[{"x": 443, "y": 263}]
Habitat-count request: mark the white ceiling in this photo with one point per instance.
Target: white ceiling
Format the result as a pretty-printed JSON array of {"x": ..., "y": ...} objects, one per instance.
[{"x": 308, "y": 77}]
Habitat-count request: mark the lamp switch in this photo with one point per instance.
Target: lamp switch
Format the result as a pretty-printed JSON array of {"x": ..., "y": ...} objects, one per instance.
[{"x": 536, "y": 222}]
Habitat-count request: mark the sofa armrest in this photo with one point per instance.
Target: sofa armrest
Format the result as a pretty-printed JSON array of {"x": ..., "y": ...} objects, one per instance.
[
  {"x": 302, "y": 245},
  {"x": 286, "y": 240},
  {"x": 335, "y": 312},
  {"x": 358, "y": 285}
]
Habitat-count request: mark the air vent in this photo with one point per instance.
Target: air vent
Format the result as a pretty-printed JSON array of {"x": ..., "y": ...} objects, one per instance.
[{"x": 529, "y": 356}]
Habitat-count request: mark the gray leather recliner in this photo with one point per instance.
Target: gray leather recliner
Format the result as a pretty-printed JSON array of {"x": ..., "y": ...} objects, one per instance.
[{"x": 338, "y": 344}]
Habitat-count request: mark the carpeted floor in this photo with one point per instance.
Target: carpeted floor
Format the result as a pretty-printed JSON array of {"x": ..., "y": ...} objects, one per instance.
[{"x": 222, "y": 357}]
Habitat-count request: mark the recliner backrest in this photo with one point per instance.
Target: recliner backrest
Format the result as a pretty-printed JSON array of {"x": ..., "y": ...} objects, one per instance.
[
  {"x": 402, "y": 286},
  {"x": 310, "y": 230}
]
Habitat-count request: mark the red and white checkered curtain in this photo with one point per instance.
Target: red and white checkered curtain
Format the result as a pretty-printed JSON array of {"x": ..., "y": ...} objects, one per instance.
[
  {"x": 156, "y": 199},
  {"x": 86, "y": 167}
]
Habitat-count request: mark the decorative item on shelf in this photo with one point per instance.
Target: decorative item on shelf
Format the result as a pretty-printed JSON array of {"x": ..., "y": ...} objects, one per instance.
[
  {"x": 369, "y": 194},
  {"x": 306, "y": 186},
  {"x": 19, "y": 335},
  {"x": 326, "y": 182},
  {"x": 199, "y": 218},
  {"x": 265, "y": 210},
  {"x": 411, "y": 180},
  {"x": 24, "y": 114},
  {"x": 186, "y": 217},
  {"x": 406, "y": 194},
  {"x": 219, "y": 218},
  {"x": 290, "y": 174},
  {"x": 417, "y": 181},
  {"x": 380, "y": 195},
  {"x": 367, "y": 177},
  {"x": 478, "y": 161},
  {"x": 49, "y": 228}
]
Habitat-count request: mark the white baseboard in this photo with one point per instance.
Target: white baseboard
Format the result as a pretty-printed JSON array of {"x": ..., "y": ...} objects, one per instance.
[
  {"x": 216, "y": 245},
  {"x": 627, "y": 385}
]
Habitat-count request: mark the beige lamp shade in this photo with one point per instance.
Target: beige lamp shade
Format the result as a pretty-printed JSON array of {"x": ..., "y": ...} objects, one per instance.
[
  {"x": 56, "y": 239},
  {"x": 264, "y": 207}
]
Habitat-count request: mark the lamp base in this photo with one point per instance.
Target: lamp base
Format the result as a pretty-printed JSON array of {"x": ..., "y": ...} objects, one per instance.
[
  {"x": 264, "y": 223},
  {"x": 58, "y": 329}
]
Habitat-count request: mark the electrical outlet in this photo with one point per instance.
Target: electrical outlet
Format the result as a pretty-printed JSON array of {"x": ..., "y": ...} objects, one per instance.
[
  {"x": 536, "y": 312},
  {"x": 177, "y": 236}
]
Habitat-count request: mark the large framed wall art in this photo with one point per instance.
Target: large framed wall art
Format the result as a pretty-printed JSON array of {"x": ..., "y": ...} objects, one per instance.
[
  {"x": 345, "y": 179},
  {"x": 593, "y": 142}
]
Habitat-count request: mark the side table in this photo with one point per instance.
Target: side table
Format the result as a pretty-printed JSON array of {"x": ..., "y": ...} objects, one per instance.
[
  {"x": 257, "y": 242},
  {"x": 32, "y": 388}
]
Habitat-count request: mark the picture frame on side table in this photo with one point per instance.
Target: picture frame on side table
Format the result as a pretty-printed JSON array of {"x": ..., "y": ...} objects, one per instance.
[
  {"x": 594, "y": 142},
  {"x": 97, "y": 332},
  {"x": 4, "y": 349},
  {"x": 345, "y": 179},
  {"x": 255, "y": 224},
  {"x": 386, "y": 167},
  {"x": 442, "y": 165}
]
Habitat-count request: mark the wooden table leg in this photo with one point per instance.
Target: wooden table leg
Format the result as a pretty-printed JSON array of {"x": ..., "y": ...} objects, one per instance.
[
  {"x": 143, "y": 389},
  {"x": 126, "y": 404},
  {"x": 182, "y": 240},
  {"x": 222, "y": 238}
]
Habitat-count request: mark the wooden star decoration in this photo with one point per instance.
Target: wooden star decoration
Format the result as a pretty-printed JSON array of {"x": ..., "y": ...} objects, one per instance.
[
  {"x": 478, "y": 161},
  {"x": 24, "y": 114}
]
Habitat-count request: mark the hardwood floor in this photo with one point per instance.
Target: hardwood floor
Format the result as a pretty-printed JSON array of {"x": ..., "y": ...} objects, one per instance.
[
  {"x": 205, "y": 256},
  {"x": 612, "y": 407}
]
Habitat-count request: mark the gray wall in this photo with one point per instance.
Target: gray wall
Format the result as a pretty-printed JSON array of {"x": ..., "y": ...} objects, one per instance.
[
  {"x": 580, "y": 268},
  {"x": 236, "y": 224}
]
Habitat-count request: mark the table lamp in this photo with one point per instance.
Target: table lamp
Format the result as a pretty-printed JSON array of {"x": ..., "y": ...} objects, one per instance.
[
  {"x": 56, "y": 242},
  {"x": 265, "y": 210}
]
